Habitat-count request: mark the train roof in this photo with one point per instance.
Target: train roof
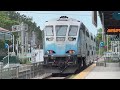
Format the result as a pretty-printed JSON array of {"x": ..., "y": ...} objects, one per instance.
[{"x": 63, "y": 18}]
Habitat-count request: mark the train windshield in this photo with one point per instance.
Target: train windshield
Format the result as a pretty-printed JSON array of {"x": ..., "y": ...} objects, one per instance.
[
  {"x": 73, "y": 30},
  {"x": 61, "y": 30},
  {"x": 49, "y": 30}
]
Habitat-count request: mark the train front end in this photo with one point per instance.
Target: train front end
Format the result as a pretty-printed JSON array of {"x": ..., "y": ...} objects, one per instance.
[{"x": 60, "y": 43}]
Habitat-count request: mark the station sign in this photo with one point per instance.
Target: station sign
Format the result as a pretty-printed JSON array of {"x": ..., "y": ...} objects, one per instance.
[
  {"x": 16, "y": 28},
  {"x": 113, "y": 30},
  {"x": 101, "y": 44}
]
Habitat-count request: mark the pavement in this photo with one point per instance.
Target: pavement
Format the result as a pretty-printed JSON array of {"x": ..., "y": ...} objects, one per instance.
[{"x": 111, "y": 71}]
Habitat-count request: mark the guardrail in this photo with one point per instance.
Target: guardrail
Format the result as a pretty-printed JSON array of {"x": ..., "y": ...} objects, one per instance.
[{"x": 24, "y": 72}]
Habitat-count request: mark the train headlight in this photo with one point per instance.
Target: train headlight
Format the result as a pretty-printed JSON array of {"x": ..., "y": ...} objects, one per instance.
[
  {"x": 50, "y": 52},
  {"x": 71, "y": 52}
]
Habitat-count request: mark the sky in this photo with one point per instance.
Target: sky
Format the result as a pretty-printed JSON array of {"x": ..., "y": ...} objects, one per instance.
[{"x": 39, "y": 17}]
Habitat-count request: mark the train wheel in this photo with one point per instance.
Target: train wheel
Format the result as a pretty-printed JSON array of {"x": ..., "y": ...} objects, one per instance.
[{"x": 79, "y": 65}]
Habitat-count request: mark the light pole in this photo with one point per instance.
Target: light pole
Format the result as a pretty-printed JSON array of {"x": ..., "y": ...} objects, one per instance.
[
  {"x": 13, "y": 44},
  {"x": 99, "y": 49},
  {"x": 107, "y": 43},
  {"x": 8, "y": 55}
]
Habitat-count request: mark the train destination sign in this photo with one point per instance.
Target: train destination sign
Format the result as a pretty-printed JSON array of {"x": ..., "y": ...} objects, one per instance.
[{"x": 113, "y": 31}]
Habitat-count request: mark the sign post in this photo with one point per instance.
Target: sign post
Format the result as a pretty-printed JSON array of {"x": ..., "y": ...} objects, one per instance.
[
  {"x": 101, "y": 44},
  {"x": 7, "y": 47}
]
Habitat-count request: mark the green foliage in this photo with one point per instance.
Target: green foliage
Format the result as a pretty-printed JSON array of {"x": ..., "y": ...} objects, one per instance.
[
  {"x": 2, "y": 44},
  {"x": 25, "y": 61},
  {"x": 5, "y": 21},
  {"x": 99, "y": 39},
  {"x": 10, "y": 18}
]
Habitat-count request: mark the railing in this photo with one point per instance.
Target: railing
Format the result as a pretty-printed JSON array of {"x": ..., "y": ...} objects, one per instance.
[
  {"x": 12, "y": 59},
  {"x": 108, "y": 57},
  {"x": 24, "y": 72}
]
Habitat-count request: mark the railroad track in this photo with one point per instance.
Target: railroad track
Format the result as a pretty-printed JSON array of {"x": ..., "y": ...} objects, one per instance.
[{"x": 58, "y": 75}]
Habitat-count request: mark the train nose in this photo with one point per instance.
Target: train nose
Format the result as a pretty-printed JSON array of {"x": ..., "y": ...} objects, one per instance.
[{"x": 60, "y": 49}]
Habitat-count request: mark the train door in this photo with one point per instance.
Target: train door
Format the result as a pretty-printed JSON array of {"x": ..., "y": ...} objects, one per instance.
[
  {"x": 82, "y": 34},
  {"x": 87, "y": 47},
  {"x": 79, "y": 42}
]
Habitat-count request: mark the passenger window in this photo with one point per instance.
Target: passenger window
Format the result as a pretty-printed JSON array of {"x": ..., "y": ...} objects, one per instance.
[
  {"x": 87, "y": 34},
  {"x": 49, "y": 30},
  {"x": 73, "y": 30},
  {"x": 92, "y": 52},
  {"x": 61, "y": 30},
  {"x": 88, "y": 53},
  {"x": 86, "y": 45},
  {"x": 82, "y": 28},
  {"x": 91, "y": 38}
]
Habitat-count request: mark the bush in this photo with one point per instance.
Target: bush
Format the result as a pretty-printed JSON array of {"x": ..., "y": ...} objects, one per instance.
[{"x": 24, "y": 61}]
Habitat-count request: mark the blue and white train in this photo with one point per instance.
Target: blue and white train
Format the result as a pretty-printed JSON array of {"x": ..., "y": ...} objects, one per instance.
[{"x": 67, "y": 44}]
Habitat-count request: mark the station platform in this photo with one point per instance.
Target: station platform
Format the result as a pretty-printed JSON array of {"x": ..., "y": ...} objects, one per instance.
[{"x": 111, "y": 71}]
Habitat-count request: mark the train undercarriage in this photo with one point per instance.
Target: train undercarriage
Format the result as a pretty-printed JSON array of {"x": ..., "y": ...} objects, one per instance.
[{"x": 69, "y": 64}]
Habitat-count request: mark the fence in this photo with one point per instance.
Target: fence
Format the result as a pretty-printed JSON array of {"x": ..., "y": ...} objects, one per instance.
[
  {"x": 111, "y": 57},
  {"x": 24, "y": 72}
]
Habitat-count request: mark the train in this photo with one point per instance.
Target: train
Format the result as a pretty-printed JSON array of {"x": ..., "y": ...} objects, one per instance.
[{"x": 68, "y": 45}]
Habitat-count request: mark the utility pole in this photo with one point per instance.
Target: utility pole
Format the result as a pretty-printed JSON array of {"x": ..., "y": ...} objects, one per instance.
[
  {"x": 13, "y": 44},
  {"x": 102, "y": 27},
  {"x": 8, "y": 55},
  {"x": 17, "y": 47},
  {"x": 22, "y": 39},
  {"x": 99, "y": 49},
  {"x": 107, "y": 43}
]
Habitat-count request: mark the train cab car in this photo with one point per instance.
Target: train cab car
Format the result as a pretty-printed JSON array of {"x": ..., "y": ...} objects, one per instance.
[{"x": 65, "y": 42}]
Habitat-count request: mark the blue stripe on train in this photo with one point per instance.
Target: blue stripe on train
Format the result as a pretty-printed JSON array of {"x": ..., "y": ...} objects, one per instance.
[{"x": 61, "y": 49}]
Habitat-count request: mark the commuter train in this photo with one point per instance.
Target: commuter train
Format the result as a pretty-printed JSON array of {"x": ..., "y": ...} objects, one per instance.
[{"x": 67, "y": 45}]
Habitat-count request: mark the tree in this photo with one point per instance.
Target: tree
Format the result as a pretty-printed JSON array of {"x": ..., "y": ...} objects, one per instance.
[{"x": 10, "y": 18}]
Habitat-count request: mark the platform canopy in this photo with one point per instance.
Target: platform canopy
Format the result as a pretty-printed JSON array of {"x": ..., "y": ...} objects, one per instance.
[
  {"x": 5, "y": 34},
  {"x": 110, "y": 21}
]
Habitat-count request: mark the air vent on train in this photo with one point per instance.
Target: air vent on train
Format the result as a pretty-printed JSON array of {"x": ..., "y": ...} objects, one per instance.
[{"x": 63, "y": 18}]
